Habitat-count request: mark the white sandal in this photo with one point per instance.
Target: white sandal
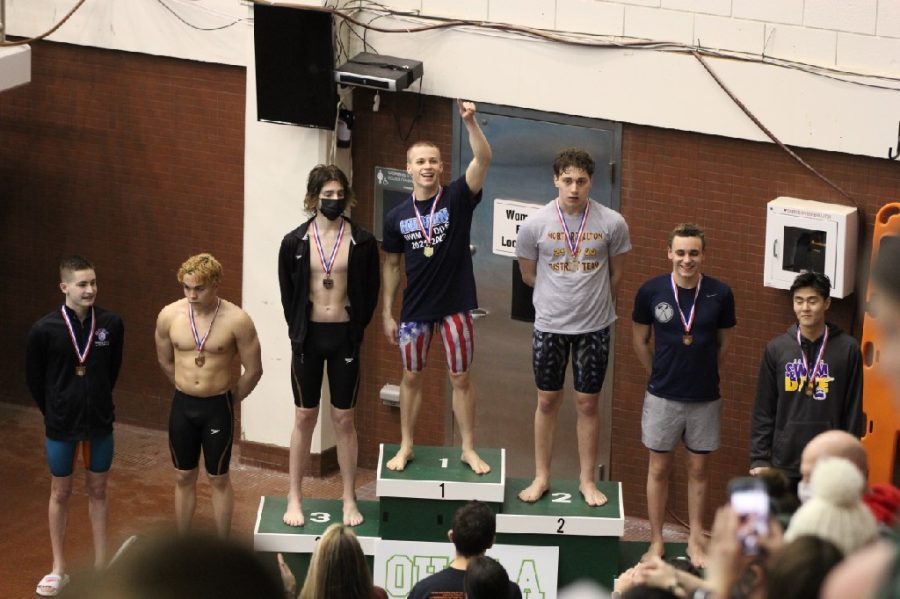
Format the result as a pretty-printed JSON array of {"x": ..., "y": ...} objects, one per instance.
[{"x": 51, "y": 584}]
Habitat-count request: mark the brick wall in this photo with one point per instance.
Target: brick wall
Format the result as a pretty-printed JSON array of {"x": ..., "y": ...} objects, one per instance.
[
  {"x": 134, "y": 161},
  {"x": 722, "y": 184},
  {"x": 667, "y": 176}
]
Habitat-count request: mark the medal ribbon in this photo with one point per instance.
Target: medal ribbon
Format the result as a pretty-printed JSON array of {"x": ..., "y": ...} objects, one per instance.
[
  {"x": 427, "y": 234},
  {"x": 689, "y": 323},
  {"x": 197, "y": 340},
  {"x": 327, "y": 266},
  {"x": 573, "y": 246},
  {"x": 82, "y": 357},
  {"x": 811, "y": 374}
]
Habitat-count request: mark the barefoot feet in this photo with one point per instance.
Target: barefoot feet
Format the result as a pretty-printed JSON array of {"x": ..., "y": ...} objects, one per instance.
[
  {"x": 656, "y": 549},
  {"x": 293, "y": 515},
  {"x": 592, "y": 495},
  {"x": 534, "y": 491},
  {"x": 696, "y": 550},
  {"x": 399, "y": 461},
  {"x": 475, "y": 462},
  {"x": 352, "y": 515}
]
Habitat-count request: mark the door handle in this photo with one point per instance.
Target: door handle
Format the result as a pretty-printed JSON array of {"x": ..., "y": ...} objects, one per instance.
[
  {"x": 472, "y": 249},
  {"x": 479, "y": 313}
]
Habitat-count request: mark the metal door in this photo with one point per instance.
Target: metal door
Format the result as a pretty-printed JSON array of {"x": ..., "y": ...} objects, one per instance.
[{"x": 524, "y": 144}]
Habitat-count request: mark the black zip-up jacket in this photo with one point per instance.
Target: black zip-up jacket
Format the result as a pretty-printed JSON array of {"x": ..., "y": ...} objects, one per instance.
[
  {"x": 785, "y": 419},
  {"x": 75, "y": 408},
  {"x": 363, "y": 281}
]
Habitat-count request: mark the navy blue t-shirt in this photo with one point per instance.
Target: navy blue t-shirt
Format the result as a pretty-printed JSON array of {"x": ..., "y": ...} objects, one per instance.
[
  {"x": 685, "y": 372},
  {"x": 443, "y": 284}
]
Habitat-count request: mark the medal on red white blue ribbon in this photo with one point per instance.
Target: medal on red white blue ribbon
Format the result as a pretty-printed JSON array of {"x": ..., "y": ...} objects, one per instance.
[
  {"x": 573, "y": 245},
  {"x": 200, "y": 360},
  {"x": 686, "y": 323},
  {"x": 328, "y": 265},
  {"x": 81, "y": 368},
  {"x": 429, "y": 249},
  {"x": 811, "y": 374}
]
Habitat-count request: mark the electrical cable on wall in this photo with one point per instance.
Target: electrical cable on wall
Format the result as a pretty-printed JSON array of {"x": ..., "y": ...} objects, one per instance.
[
  {"x": 192, "y": 26},
  {"x": 51, "y": 31},
  {"x": 765, "y": 130}
]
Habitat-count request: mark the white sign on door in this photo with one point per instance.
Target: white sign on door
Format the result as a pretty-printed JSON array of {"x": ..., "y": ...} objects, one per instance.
[{"x": 508, "y": 217}]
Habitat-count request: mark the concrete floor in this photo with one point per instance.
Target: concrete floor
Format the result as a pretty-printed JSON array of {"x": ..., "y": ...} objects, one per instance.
[{"x": 140, "y": 498}]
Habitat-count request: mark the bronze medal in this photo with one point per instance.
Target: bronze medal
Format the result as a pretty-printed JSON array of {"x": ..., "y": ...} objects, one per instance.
[
  {"x": 687, "y": 339},
  {"x": 328, "y": 282},
  {"x": 200, "y": 360},
  {"x": 428, "y": 251},
  {"x": 80, "y": 370}
]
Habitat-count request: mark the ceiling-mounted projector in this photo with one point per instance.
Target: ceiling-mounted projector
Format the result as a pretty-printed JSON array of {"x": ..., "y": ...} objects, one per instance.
[{"x": 378, "y": 71}]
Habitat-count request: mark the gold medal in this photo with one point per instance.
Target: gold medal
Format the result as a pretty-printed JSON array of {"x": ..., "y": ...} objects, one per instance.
[
  {"x": 328, "y": 282},
  {"x": 80, "y": 370},
  {"x": 200, "y": 360},
  {"x": 809, "y": 390},
  {"x": 428, "y": 251},
  {"x": 687, "y": 339}
]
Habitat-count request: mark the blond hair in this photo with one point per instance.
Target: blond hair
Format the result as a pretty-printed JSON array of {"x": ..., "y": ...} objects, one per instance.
[
  {"x": 203, "y": 266},
  {"x": 338, "y": 569}
]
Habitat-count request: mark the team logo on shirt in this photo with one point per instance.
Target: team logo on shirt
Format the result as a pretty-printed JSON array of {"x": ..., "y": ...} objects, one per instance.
[
  {"x": 410, "y": 230},
  {"x": 101, "y": 338},
  {"x": 663, "y": 312},
  {"x": 795, "y": 377}
]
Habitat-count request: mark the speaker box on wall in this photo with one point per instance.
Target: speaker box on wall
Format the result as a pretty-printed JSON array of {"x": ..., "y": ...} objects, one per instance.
[{"x": 294, "y": 66}]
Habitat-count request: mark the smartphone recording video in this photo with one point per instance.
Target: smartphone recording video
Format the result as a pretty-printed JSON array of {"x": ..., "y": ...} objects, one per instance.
[{"x": 750, "y": 501}]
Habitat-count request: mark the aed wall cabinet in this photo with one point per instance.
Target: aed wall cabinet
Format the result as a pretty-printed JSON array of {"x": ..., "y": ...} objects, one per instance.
[{"x": 803, "y": 235}]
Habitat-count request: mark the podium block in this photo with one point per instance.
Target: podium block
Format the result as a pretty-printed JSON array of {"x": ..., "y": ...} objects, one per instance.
[
  {"x": 418, "y": 502},
  {"x": 587, "y": 537},
  {"x": 297, "y": 543},
  {"x": 272, "y": 534}
]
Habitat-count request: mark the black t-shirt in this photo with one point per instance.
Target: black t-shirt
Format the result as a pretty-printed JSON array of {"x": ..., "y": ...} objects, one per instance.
[
  {"x": 449, "y": 584},
  {"x": 685, "y": 372},
  {"x": 444, "y": 283}
]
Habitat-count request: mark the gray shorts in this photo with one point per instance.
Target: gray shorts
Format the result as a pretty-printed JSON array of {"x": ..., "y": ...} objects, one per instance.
[{"x": 664, "y": 422}]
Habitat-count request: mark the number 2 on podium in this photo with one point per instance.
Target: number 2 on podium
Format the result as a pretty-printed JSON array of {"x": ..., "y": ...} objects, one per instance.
[{"x": 562, "y": 522}]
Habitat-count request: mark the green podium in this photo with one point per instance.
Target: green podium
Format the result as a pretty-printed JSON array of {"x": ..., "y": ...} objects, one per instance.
[
  {"x": 297, "y": 543},
  {"x": 418, "y": 502},
  {"x": 587, "y": 537}
]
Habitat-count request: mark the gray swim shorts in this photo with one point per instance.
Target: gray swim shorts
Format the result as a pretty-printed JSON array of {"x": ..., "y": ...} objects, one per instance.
[{"x": 664, "y": 422}]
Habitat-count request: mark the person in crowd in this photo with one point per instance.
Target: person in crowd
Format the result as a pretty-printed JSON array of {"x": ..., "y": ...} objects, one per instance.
[
  {"x": 338, "y": 569},
  {"x": 472, "y": 534}
]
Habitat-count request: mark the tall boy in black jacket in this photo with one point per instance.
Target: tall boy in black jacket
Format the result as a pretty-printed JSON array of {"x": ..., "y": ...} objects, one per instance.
[{"x": 328, "y": 270}]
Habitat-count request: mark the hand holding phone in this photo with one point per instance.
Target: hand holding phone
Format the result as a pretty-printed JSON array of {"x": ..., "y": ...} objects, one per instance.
[{"x": 750, "y": 501}]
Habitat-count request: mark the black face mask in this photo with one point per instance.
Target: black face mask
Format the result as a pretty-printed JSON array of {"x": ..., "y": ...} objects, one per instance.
[{"x": 331, "y": 209}]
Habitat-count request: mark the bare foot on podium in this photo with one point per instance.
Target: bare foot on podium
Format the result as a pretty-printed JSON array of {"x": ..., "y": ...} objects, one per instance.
[
  {"x": 293, "y": 515},
  {"x": 656, "y": 549},
  {"x": 352, "y": 515},
  {"x": 696, "y": 551},
  {"x": 534, "y": 491},
  {"x": 401, "y": 459},
  {"x": 475, "y": 462},
  {"x": 592, "y": 495}
]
